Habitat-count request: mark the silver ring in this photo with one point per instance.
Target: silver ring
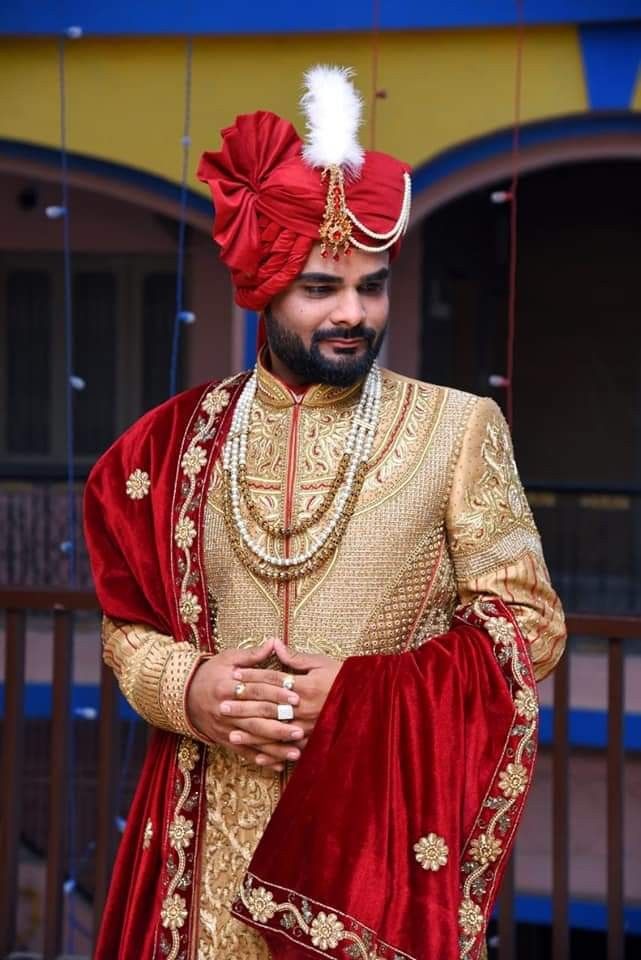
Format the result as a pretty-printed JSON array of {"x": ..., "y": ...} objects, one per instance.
[
  {"x": 239, "y": 689},
  {"x": 285, "y": 712},
  {"x": 289, "y": 682}
]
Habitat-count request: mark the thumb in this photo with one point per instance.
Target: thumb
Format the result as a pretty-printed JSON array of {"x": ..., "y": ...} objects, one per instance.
[
  {"x": 247, "y": 658},
  {"x": 294, "y": 659}
]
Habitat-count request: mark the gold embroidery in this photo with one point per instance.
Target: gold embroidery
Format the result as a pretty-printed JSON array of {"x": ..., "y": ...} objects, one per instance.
[
  {"x": 524, "y": 584},
  {"x": 431, "y": 852},
  {"x": 138, "y": 484},
  {"x": 215, "y": 402},
  {"x": 497, "y": 522},
  {"x": 260, "y": 903},
  {"x": 192, "y": 463},
  {"x": 485, "y": 846},
  {"x": 323, "y": 930},
  {"x": 513, "y": 780},
  {"x": 190, "y": 609},
  {"x": 397, "y": 618},
  {"x": 240, "y": 801},
  {"x": 421, "y": 431},
  {"x": 180, "y": 833},
  {"x": 392, "y": 572},
  {"x": 326, "y": 930},
  {"x": 185, "y": 533},
  {"x": 148, "y": 835},
  {"x": 153, "y": 672},
  {"x": 485, "y": 849},
  {"x": 174, "y": 912},
  {"x": 526, "y": 705},
  {"x": 470, "y": 918}
]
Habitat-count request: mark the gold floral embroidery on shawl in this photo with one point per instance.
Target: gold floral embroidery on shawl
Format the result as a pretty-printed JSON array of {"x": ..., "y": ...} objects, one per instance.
[
  {"x": 174, "y": 911},
  {"x": 138, "y": 484},
  {"x": 431, "y": 852},
  {"x": 488, "y": 838},
  {"x": 303, "y": 921}
]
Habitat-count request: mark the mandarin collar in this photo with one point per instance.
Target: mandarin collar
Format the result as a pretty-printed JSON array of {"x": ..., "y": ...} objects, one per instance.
[{"x": 275, "y": 393}]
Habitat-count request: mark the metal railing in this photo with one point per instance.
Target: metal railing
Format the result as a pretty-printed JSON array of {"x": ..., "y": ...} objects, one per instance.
[
  {"x": 61, "y": 605},
  {"x": 591, "y": 536}
]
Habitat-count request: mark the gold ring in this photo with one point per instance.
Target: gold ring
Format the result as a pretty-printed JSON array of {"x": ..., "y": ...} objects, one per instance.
[
  {"x": 289, "y": 682},
  {"x": 239, "y": 689}
]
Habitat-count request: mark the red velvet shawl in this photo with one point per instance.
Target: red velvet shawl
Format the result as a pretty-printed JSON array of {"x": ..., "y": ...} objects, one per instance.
[
  {"x": 430, "y": 749},
  {"x": 155, "y": 475},
  {"x": 391, "y": 838}
]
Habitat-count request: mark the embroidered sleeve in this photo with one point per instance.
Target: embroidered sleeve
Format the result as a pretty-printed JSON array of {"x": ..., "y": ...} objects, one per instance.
[
  {"x": 153, "y": 671},
  {"x": 495, "y": 546}
]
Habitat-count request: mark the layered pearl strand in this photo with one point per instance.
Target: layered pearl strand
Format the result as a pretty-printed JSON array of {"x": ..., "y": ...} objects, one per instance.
[
  {"x": 398, "y": 230},
  {"x": 357, "y": 451}
]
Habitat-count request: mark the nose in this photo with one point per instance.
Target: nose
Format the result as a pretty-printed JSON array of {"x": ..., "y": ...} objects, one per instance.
[{"x": 349, "y": 309}]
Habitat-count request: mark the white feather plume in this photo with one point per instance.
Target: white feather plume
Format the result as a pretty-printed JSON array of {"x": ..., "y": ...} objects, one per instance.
[{"x": 333, "y": 111}]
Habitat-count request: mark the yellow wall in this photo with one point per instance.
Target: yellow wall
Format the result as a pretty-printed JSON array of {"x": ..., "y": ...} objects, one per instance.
[{"x": 125, "y": 96}]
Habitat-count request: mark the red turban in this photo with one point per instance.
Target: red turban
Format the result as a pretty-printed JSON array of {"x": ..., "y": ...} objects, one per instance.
[{"x": 269, "y": 203}]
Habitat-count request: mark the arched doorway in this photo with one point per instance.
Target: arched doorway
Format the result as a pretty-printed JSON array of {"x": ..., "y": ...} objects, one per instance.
[
  {"x": 578, "y": 346},
  {"x": 124, "y": 232}
]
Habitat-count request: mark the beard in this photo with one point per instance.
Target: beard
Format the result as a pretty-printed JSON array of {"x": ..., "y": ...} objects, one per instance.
[{"x": 311, "y": 365}]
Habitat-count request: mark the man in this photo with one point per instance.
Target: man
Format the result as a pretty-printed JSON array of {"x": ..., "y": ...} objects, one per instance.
[{"x": 250, "y": 537}]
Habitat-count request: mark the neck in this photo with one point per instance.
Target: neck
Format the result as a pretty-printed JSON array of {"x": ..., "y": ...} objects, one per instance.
[{"x": 280, "y": 370}]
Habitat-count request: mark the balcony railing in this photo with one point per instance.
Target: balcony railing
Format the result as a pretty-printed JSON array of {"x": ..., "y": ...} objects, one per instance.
[
  {"x": 61, "y": 606},
  {"x": 591, "y": 535}
]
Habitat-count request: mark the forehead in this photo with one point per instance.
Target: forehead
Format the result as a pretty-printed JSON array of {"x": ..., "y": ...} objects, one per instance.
[{"x": 353, "y": 265}]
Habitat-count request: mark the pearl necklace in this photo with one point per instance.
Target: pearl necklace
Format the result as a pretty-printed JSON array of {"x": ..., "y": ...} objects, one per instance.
[{"x": 357, "y": 450}]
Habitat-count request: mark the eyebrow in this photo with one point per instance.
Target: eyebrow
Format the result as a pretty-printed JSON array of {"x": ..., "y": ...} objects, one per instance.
[{"x": 330, "y": 278}]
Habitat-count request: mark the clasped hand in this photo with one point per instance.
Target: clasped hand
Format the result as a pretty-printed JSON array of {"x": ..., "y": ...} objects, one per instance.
[{"x": 249, "y": 725}]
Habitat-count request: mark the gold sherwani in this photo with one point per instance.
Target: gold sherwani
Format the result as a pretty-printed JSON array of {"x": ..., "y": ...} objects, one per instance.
[{"x": 441, "y": 518}]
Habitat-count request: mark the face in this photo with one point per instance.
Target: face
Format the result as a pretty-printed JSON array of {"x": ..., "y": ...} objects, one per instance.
[{"x": 328, "y": 326}]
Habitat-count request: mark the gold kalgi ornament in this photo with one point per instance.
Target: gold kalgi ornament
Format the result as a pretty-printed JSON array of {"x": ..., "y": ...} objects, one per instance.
[{"x": 336, "y": 229}]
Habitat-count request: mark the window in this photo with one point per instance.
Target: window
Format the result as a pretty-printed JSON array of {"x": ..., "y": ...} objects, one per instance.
[
  {"x": 27, "y": 362},
  {"x": 123, "y": 314}
]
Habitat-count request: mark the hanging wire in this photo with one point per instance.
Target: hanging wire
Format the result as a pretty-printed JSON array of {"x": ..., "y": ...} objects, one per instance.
[
  {"x": 516, "y": 161},
  {"x": 181, "y": 316},
  {"x": 70, "y": 546},
  {"x": 376, "y": 93}
]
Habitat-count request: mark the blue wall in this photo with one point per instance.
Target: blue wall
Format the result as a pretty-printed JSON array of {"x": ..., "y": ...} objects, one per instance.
[{"x": 289, "y": 16}]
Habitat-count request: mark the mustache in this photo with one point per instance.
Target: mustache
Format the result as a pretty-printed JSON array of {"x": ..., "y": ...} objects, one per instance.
[{"x": 360, "y": 332}]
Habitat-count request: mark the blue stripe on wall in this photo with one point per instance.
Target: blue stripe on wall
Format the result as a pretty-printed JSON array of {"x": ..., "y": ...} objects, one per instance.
[
  {"x": 287, "y": 16},
  {"x": 83, "y": 697},
  {"x": 611, "y": 57},
  {"x": 588, "y": 728},
  {"x": 584, "y": 914},
  {"x": 119, "y": 172},
  {"x": 457, "y": 158},
  {"x": 249, "y": 343}
]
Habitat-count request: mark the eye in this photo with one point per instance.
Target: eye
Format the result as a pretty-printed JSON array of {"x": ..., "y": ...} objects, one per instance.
[
  {"x": 318, "y": 290},
  {"x": 373, "y": 289}
]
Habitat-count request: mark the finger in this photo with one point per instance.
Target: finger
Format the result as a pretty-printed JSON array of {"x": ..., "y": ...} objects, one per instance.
[
  {"x": 254, "y": 759},
  {"x": 250, "y": 708},
  {"x": 267, "y": 691},
  {"x": 273, "y": 677},
  {"x": 251, "y": 729},
  {"x": 278, "y": 752},
  {"x": 294, "y": 659},
  {"x": 247, "y": 658}
]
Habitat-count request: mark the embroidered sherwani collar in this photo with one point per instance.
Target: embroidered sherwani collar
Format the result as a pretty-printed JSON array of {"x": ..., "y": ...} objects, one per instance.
[{"x": 275, "y": 393}]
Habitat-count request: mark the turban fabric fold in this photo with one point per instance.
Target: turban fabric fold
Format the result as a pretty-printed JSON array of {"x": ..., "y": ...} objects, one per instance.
[{"x": 269, "y": 203}]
